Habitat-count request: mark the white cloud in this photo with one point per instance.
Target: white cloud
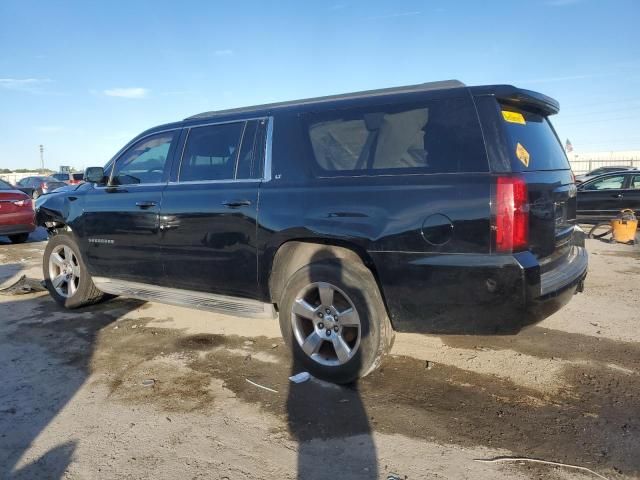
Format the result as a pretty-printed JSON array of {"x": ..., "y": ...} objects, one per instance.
[
  {"x": 31, "y": 85},
  {"x": 50, "y": 128},
  {"x": 223, "y": 53},
  {"x": 132, "y": 92}
]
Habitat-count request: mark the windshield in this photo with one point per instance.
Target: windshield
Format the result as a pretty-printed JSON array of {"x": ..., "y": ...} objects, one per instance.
[{"x": 533, "y": 141}]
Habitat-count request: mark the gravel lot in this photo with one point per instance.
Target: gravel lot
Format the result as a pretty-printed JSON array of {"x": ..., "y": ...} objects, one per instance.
[{"x": 128, "y": 389}]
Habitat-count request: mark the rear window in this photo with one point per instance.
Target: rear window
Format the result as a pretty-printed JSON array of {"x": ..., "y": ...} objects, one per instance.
[
  {"x": 441, "y": 136},
  {"x": 5, "y": 186},
  {"x": 61, "y": 176},
  {"x": 78, "y": 176},
  {"x": 533, "y": 141}
]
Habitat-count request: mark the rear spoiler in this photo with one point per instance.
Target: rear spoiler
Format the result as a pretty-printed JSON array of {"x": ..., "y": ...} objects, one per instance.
[{"x": 519, "y": 97}]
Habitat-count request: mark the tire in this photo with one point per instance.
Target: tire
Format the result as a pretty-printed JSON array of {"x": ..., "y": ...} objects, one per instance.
[
  {"x": 353, "y": 287},
  {"x": 83, "y": 292},
  {"x": 19, "y": 238}
]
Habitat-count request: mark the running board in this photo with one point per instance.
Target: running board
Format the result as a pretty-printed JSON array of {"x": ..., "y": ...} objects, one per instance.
[{"x": 186, "y": 298}]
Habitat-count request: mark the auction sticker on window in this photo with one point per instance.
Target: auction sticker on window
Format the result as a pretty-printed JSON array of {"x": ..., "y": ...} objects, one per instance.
[
  {"x": 522, "y": 154},
  {"x": 513, "y": 117}
]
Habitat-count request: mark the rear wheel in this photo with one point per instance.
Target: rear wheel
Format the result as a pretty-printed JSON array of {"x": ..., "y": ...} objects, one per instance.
[
  {"x": 65, "y": 274},
  {"x": 333, "y": 318},
  {"x": 19, "y": 238}
]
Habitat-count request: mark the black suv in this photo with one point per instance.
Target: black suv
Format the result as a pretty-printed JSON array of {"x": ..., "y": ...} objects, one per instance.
[{"x": 435, "y": 208}]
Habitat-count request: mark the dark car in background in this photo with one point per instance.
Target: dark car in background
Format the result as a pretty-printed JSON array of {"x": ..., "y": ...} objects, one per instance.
[
  {"x": 433, "y": 208},
  {"x": 69, "y": 178},
  {"x": 41, "y": 184},
  {"x": 17, "y": 217},
  {"x": 600, "y": 171},
  {"x": 601, "y": 198}
]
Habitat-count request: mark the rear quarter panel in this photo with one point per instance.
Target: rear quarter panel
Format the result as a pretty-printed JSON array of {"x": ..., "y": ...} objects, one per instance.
[{"x": 382, "y": 216}]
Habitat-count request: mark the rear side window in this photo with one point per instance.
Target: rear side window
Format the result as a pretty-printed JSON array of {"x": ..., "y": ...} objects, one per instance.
[
  {"x": 441, "y": 136},
  {"x": 532, "y": 141},
  {"x": 211, "y": 152}
]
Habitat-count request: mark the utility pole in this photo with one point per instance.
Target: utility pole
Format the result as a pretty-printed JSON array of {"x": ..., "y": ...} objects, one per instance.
[{"x": 42, "y": 157}]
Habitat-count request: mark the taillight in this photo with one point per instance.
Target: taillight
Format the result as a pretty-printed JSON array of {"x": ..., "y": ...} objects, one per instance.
[
  {"x": 23, "y": 203},
  {"x": 512, "y": 215}
]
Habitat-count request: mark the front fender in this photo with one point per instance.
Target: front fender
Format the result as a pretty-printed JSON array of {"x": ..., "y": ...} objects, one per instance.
[{"x": 58, "y": 208}]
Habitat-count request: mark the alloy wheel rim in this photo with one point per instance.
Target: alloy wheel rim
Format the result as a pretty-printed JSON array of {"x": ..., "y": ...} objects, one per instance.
[
  {"x": 64, "y": 271},
  {"x": 326, "y": 324}
]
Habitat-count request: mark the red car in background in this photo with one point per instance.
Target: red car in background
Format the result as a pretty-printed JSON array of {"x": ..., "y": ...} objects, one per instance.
[{"x": 17, "y": 217}]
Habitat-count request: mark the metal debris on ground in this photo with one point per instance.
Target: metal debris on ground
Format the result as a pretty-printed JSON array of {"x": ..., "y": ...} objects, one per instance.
[
  {"x": 149, "y": 382},
  {"x": 18, "y": 285}
]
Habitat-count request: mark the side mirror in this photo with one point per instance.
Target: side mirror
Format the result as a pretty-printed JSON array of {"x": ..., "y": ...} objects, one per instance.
[{"x": 94, "y": 175}]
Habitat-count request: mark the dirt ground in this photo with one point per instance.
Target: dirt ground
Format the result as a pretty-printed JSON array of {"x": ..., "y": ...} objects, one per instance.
[{"x": 128, "y": 389}]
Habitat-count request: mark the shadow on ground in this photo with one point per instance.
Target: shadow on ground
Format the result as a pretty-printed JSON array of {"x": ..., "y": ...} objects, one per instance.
[{"x": 46, "y": 352}]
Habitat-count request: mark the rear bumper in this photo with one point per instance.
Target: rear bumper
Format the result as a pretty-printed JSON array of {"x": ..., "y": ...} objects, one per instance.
[
  {"x": 16, "y": 229},
  {"x": 475, "y": 294}
]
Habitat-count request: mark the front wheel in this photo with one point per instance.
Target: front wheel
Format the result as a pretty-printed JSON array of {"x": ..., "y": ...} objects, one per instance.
[
  {"x": 333, "y": 318},
  {"x": 65, "y": 274}
]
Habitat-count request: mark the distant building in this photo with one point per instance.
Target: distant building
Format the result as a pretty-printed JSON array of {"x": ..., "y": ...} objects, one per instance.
[{"x": 582, "y": 162}]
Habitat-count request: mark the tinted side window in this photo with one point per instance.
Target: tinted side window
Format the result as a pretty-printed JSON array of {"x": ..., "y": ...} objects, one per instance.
[
  {"x": 607, "y": 183},
  {"x": 246, "y": 160},
  {"x": 144, "y": 162},
  {"x": 211, "y": 152},
  {"x": 635, "y": 182},
  {"x": 441, "y": 136}
]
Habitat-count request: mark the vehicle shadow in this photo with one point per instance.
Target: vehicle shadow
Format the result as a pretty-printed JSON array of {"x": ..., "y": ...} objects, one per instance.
[
  {"x": 329, "y": 421},
  {"x": 46, "y": 352},
  {"x": 38, "y": 235}
]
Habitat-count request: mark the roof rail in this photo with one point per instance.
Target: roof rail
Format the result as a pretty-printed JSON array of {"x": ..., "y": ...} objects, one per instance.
[{"x": 421, "y": 87}]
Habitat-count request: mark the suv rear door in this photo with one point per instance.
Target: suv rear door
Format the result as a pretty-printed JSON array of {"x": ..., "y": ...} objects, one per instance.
[{"x": 209, "y": 210}]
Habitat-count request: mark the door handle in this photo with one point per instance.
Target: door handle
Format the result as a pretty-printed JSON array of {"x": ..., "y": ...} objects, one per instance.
[
  {"x": 236, "y": 203},
  {"x": 617, "y": 195},
  {"x": 146, "y": 204}
]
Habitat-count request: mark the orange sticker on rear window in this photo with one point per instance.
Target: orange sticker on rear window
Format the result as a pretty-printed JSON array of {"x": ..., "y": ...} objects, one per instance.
[
  {"x": 513, "y": 117},
  {"x": 522, "y": 154}
]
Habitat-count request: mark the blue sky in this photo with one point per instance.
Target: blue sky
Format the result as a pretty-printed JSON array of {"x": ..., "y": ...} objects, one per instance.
[{"x": 83, "y": 78}]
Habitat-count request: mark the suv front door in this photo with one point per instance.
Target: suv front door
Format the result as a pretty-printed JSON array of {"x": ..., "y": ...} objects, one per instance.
[
  {"x": 120, "y": 223},
  {"x": 209, "y": 210},
  {"x": 601, "y": 197}
]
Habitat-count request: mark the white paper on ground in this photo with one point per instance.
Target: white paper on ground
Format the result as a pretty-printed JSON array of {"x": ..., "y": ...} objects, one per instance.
[{"x": 300, "y": 377}]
